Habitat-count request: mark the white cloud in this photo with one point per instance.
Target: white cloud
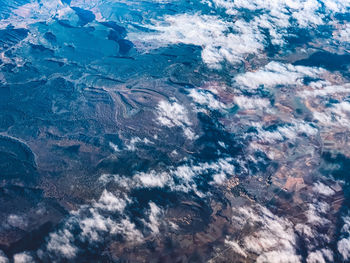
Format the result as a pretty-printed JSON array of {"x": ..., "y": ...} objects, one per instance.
[
  {"x": 346, "y": 225},
  {"x": 114, "y": 147},
  {"x": 282, "y": 133},
  {"x": 327, "y": 253},
  {"x": 343, "y": 244},
  {"x": 131, "y": 146},
  {"x": 206, "y": 99},
  {"x": 211, "y": 33},
  {"x": 335, "y": 116},
  {"x": 305, "y": 230},
  {"x": 94, "y": 224},
  {"x": 110, "y": 202},
  {"x": 61, "y": 244},
  {"x": 323, "y": 189},
  {"x": 154, "y": 220},
  {"x": 123, "y": 182},
  {"x": 16, "y": 221},
  {"x": 219, "y": 178},
  {"x": 3, "y": 258},
  {"x": 251, "y": 103},
  {"x": 324, "y": 89},
  {"x": 320, "y": 256},
  {"x": 91, "y": 223},
  {"x": 185, "y": 174},
  {"x": 273, "y": 238},
  {"x": 231, "y": 38},
  {"x": 315, "y": 257},
  {"x": 152, "y": 179},
  {"x": 307, "y": 13},
  {"x": 128, "y": 230},
  {"x": 189, "y": 134},
  {"x": 344, "y": 248},
  {"x": 274, "y": 74},
  {"x": 314, "y": 214},
  {"x": 236, "y": 247},
  {"x": 172, "y": 114},
  {"x": 343, "y": 35},
  {"x": 278, "y": 257},
  {"x": 23, "y": 258},
  {"x": 336, "y": 5}
]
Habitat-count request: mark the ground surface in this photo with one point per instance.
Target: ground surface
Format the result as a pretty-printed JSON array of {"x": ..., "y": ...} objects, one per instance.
[{"x": 174, "y": 131}]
